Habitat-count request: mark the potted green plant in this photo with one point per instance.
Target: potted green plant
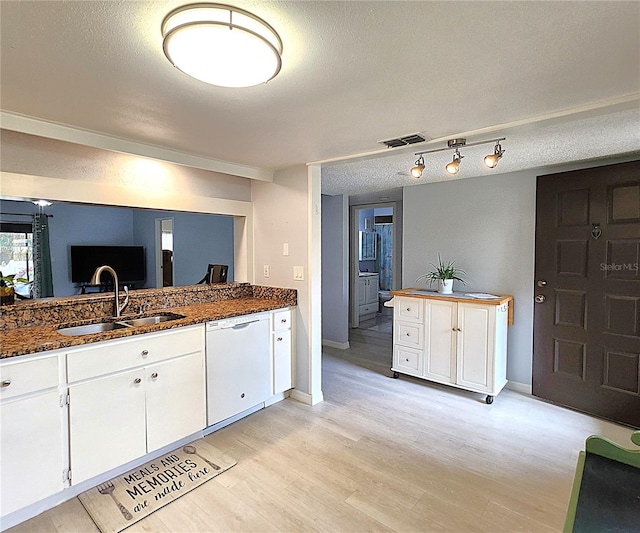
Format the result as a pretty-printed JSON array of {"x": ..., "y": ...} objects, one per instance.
[
  {"x": 444, "y": 274},
  {"x": 7, "y": 288}
]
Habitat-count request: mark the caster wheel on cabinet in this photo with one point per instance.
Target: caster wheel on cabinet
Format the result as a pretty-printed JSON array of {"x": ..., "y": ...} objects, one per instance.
[
  {"x": 396, "y": 375},
  {"x": 489, "y": 400}
]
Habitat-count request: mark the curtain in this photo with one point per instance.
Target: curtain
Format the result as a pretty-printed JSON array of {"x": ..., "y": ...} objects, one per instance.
[
  {"x": 43, "y": 278},
  {"x": 384, "y": 255}
]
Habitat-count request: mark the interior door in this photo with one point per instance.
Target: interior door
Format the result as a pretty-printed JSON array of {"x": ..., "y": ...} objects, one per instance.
[{"x": 587, "y": 292}]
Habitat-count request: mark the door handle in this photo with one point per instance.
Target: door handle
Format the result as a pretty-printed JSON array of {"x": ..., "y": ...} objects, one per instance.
[{"x": 540, "y": 298}]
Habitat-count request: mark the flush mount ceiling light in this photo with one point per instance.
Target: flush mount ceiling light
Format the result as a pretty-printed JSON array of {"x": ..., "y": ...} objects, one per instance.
[
  {"x": 222, "y": 45},
  {"x": 455, "y": 144}
]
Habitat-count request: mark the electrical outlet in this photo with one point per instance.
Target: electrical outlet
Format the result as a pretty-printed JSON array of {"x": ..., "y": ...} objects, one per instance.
[
  {"x": 267, "y": 271},
  {"x": 285, "y": 248},
  {"x": 298, "y": 273}
]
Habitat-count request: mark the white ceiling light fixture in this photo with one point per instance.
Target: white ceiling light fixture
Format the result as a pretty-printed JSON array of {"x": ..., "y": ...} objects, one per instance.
[
  {"x": 222, "y": 45},
  {"x": 455, "y": 144}
]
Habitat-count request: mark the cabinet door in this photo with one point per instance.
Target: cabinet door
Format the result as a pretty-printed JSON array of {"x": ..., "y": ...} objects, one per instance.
[
  {"x": 362, "y": 291},
  {"x": 31, "y": 444},
  {"x": 373, "y": 290},
  {"x": 440, "y": 341},
  {"x": 282, "y": 375},
  {"x": 176, "y": 403},
  {"x": 475, "y": 346},
  {"x": 107, "y": 423}
]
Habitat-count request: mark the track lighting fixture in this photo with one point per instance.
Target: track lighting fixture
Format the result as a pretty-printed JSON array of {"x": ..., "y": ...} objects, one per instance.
[
  {"x": 416, "y": 172},
  {"x": 455, "y": 144},
  {"x": 492, "y": 159},
  {"x": 454, "y": 166}
]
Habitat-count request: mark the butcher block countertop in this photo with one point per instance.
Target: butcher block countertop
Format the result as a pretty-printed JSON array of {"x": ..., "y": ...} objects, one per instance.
[
  {"x": 480, "y": 298},
  {"x": 44, "y": 337}
]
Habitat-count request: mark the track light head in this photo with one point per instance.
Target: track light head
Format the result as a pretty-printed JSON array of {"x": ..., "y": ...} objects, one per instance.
[
  {"x": 454, "y": 166},
  {"x": 416, "y": 172},
  {"x": 492, "y": 159}
]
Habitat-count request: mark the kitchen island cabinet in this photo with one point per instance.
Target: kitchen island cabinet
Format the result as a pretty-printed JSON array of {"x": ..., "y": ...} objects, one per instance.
[{"x": 456, "y": 340}]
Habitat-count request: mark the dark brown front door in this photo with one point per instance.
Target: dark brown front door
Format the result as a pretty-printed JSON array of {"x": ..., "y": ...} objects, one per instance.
[{"x": 586, "y": 352}]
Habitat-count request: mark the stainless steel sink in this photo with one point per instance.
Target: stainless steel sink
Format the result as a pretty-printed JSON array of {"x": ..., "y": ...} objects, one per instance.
[
  {"x": 87, "y": 329},
  {"x": 101, "y": 327},
  {"x": 150, "y": 320}
]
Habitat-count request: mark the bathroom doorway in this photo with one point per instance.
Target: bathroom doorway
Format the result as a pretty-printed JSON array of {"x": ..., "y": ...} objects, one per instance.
[{"x": 374, "y": 263}]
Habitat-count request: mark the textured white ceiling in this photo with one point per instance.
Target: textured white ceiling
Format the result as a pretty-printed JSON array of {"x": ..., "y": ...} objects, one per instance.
[{"x": 353, "y": 73}]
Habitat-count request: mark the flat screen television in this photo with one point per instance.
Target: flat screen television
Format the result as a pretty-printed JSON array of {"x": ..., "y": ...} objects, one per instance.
[{"x": 127, "y": 261}]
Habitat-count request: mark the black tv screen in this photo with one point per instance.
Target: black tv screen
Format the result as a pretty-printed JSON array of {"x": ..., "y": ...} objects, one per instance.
[{"x": 127, "y": 261}]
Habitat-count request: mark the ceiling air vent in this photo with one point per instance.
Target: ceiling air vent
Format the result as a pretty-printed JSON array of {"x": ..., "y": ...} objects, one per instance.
[{"x": 404, "y": 141}]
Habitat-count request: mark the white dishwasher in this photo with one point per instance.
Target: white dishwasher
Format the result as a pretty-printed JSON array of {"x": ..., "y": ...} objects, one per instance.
[{"x": 238, "y": 365}]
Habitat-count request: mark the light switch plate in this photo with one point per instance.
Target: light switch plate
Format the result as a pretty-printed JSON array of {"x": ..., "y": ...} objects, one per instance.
[
  {"x": 298, "y": 273},
  {"x": 267, "y": 271},
  {"x": 285, "y": 248}
]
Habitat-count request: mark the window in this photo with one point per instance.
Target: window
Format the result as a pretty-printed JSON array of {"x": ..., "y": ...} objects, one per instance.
[{"x": 16, "y": 254}]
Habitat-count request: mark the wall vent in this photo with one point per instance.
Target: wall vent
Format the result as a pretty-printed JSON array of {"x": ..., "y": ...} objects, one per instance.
[{"x": 404, "y": 141}]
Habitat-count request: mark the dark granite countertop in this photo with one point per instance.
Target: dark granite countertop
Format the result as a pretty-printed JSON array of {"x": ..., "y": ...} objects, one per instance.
[{"x": 34, "y": 339}]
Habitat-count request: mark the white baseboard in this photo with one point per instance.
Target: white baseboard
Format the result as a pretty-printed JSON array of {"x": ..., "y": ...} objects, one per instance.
[
  {"x": 524, "y": 388},
  {"x": 334, "y": 344},
  {"x": 306, "y": 398}
]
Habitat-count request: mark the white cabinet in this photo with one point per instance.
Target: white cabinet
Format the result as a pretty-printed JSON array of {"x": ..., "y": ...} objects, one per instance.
[
  {"x": 133, "y": 396},
  {"x": 453, "y": 341},
  {"x": 368, "y": 296},
  {"x": 31, "y": 436},
  {"x": 281, "y": 343}
]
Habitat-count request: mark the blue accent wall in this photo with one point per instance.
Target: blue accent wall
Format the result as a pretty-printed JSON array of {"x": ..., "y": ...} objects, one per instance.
[{"x": 199, "y": 239}]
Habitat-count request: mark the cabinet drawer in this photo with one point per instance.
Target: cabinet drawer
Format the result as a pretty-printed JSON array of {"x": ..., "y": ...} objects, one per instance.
[
  {"x": 410, "y": 309},
  {"x": 282, "y": 320},
  {"x": 368, "y": 309},
  {"x": 113, "y": 356},
  {"x": 410, "y": 334},
  {"x": 407, "y": 360},
  {"x": 28, "y": 376}
]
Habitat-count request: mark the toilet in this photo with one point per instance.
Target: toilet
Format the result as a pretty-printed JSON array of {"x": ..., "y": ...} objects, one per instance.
[{"x": 384, "y": 296}]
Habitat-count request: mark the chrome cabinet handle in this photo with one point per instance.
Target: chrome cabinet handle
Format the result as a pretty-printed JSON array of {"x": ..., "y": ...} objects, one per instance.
[
  {"x": 279, "y": 339},
  {"x": 145, "y": 353},
  {"x": 6, "y": 382},
  {"x": 137, "y": 381},
  {"x": 154, "y": 375},
  {"x": 284, "y": 320}
]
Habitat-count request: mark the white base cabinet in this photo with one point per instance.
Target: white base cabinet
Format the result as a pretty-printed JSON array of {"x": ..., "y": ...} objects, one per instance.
[
  {"x": 459, "y": 342},
  {"x": 32, "y": 437},
  {"x": 368, "y": 296},
  {"x": 282, "y": 336},
  {"x": 133, "y": 396}
]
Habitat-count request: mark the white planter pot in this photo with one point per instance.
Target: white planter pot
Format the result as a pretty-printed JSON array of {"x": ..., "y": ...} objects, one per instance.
[{"x": 445, "y": 286}]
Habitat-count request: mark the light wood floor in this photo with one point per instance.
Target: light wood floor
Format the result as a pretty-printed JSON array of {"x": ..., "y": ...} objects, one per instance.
[{"x": 380, "y": 454}]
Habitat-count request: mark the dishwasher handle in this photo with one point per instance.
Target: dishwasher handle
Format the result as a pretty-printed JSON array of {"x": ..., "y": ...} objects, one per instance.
[{"x": 244, "y": 324}]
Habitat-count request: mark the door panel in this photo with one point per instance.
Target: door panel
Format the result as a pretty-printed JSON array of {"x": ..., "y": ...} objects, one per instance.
[{"x": 587, "y": 324}]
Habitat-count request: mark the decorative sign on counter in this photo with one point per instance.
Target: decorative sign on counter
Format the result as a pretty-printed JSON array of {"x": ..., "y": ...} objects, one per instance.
[{"x": 124, "y": 500}]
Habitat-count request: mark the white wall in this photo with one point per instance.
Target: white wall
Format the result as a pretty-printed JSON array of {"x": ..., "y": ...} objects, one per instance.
[
  {"x": 487, "y": 226},
  {"x": 287, "y": 211},
  {"x": 335, "y": 271}
]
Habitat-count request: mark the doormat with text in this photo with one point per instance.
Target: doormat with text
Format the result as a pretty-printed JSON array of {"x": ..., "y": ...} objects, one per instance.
[{"x": 126, "y": 499}]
